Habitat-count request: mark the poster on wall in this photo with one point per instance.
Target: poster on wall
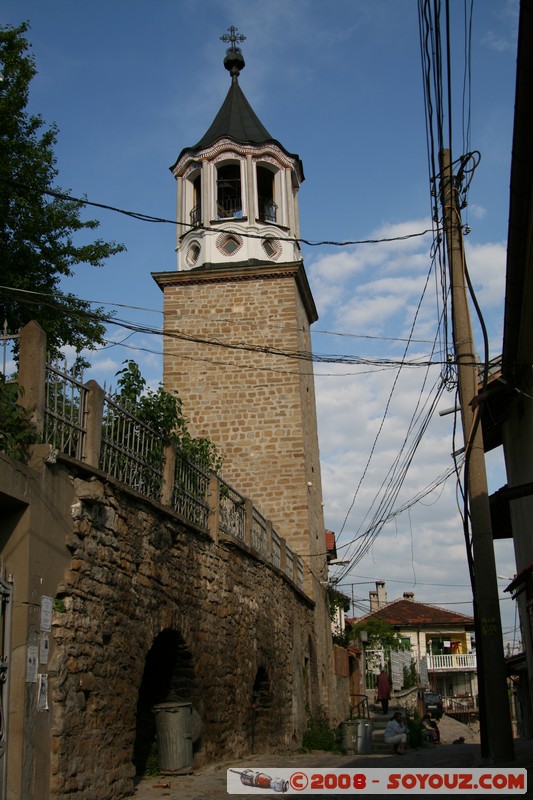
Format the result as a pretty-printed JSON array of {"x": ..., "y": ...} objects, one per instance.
[
  {"x": 31, "y": 663},
  {"x": 44, "y": 648},
  {"x": 46, "y": 613},
  {"x": 42, "y": 697}
]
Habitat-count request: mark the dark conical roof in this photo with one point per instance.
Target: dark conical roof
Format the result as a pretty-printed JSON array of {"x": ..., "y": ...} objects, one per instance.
[{"x": 236, "y": 120}]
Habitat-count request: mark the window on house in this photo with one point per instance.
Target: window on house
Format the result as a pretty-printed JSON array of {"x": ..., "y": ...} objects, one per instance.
[
  {"x": 265, "y": 194},
  {"x": 229, "y": 196}
]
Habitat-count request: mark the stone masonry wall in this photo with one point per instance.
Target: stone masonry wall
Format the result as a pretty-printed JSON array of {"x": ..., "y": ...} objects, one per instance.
[
  {"x": 134, "y": 572},
  {"x": 254, "y": 397},
  {"x": 249, "y": 402}
]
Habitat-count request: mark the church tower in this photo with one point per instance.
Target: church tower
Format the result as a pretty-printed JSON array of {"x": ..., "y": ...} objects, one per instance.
[{"x": 237, "y": 316}]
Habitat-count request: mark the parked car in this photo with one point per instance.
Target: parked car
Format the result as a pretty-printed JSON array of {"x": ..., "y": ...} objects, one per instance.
[{"x": 431, "y": 703}]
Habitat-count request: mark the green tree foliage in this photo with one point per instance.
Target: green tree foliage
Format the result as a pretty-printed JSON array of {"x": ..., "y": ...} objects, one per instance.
[
  {"x": 163, "y": 412},
  {"x": 40, "y": 235},
  {"x": 337, "y": 601},
  {"x": 410, "y": 676},
  {"x": 380, "y": 634},
  {"x": 16, "y": 430},
  {"x": 319, "y": 735}
]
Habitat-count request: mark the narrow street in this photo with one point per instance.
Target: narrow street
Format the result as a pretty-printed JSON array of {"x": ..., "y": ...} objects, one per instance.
[{"x": 210, "y": 783}]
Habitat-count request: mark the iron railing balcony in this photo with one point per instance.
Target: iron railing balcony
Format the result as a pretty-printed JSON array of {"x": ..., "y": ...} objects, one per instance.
[
  {"x": 196, "y": 215},
  {"x": 228, "y": 207},
  {"x": 267, "y": 210},
  {"x": 451, "y": 662}
]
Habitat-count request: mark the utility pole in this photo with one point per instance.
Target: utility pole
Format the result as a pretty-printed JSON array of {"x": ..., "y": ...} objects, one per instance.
[{"x": 492, "y": 677}]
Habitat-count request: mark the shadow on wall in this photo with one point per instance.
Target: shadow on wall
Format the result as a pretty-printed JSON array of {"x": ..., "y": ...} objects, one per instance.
[{"x": 168, "y": 677}]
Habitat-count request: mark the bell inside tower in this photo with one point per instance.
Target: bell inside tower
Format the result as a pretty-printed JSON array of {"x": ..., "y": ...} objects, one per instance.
[
  {"x": 265, "y": 194},
  {"x": 229, "y": 199}
]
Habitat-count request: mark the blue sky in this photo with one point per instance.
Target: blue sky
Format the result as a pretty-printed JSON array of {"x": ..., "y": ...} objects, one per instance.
[{"x": 130, "y": 83}]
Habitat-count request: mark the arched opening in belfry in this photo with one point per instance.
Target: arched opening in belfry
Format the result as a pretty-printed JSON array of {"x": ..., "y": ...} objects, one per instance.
[
  {"x": 265, "y": 194},
  {"x": 261, "y": 710},
  {"x": 196, "y": 211},
  {"x": 229, "y": 198},
  {"x": 168, "y": 677}
]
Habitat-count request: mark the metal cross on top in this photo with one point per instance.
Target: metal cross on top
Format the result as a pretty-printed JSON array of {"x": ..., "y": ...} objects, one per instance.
[{"x": 233, "y": 37}]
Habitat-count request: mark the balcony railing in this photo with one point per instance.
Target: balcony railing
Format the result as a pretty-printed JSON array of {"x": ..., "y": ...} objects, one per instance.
[
  {"x": 229, "y": 207},
  {"x": 451, "y": 661},
  {"x": 196, "y": 215},
  {"x": 267, "y": 210}
]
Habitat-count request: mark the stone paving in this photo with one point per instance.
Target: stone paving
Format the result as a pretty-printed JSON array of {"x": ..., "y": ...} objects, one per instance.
[{"x": 210, "y": 782}]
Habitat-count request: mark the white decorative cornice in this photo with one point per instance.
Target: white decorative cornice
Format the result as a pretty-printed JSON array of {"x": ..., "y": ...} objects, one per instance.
[{"x": 267, "y": 151}]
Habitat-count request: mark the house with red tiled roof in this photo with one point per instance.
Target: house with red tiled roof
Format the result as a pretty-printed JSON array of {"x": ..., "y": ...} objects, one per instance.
[
  {"x": 436, "y": 640},
  {"x": 331, "y": 546}
]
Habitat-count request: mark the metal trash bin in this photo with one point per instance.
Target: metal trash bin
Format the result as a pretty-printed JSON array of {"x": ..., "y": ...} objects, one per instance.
[
  {"x": 173, "y": 724},
  {"x": 364, "y": 738},
  {"x": 349, "y": 736}
]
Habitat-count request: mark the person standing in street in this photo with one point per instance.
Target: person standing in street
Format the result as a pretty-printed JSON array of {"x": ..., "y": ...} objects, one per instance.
[{"x": 383, "y": 689}]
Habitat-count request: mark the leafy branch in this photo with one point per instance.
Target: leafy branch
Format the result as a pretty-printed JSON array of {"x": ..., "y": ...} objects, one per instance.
[
  {"x": 163, "y": 412},
  {"x": 16, "y": 430}
]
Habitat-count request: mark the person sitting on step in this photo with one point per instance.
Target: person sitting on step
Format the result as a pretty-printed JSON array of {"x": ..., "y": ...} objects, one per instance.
[
  {"x": 396, "y": 733},
  {"x": 431, "y": 729}
]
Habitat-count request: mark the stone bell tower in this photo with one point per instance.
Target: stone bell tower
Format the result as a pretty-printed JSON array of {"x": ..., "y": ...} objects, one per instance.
[{"x": 237, "y": 313}]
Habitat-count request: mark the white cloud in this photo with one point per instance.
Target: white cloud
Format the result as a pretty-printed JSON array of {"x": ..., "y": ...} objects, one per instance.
[
  {"x": 375, "y": 290},
  {"x": 477, "y": 211},
  {"x": 486, "y": 264},
  {"x": 497, "y": 41}
]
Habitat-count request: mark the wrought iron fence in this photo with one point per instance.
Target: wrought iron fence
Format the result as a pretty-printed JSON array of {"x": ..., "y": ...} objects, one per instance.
[
  {"x": 259, "y": 533},
  {"x": 289, "y": 562},
  {"x": 275, "y": 555},
  {"x": 7, "y": 339},
  {"x": 131, "y": 451},
  {"x": 189, "y": 493},
  {"x": 134, "y": 454},
  {"x": 65, "y": 410},
  {"x": 232, "y": 511},
  {"x": 375, "y": 660},
  {"x": 300, "y": 572}
]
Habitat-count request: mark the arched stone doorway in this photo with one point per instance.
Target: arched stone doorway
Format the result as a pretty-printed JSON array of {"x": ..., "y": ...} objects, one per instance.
[
  {"x": 168, "y": 677},
  {"x": 261, "y": 711}
]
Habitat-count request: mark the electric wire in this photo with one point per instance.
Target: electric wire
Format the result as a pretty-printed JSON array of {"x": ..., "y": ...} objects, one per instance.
[
  {"x": 309, "y": 356},
  {"x": 449, "y": 78},
  {"x": 137, "y": 215},
  {"x": 384, "y": 511},
  {"x": 466, "y": 117},
  {"x": 143, "y": 217},
  {"x": 385, "y": 413},
  {"x": 389, "y": 496},
  {"x": 249, "y": 320}
]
